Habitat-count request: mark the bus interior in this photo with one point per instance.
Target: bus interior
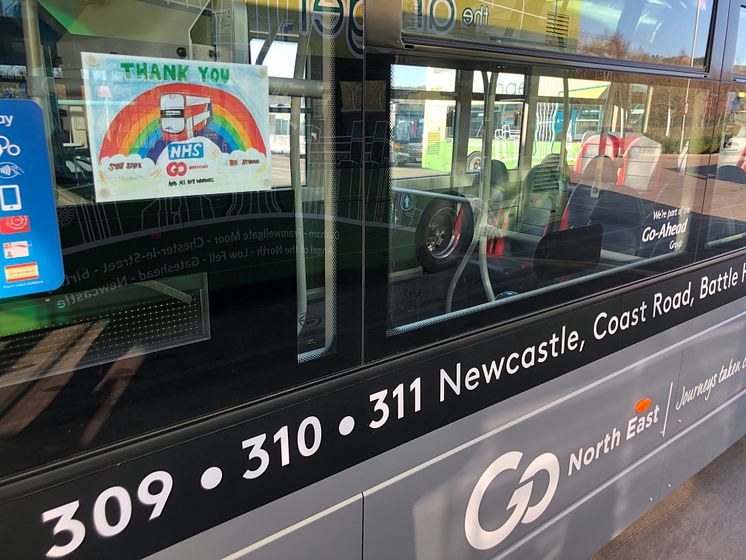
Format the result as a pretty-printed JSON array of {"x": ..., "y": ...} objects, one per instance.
[{"x": 518, "y": 199}]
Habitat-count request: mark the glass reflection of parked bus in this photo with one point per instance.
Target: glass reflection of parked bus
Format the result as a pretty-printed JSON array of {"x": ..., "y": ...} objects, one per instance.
[
  {"x": 406, "y": 135},
  {"x": 584, "y": 119},
  {"x": 465, "y": 318}
]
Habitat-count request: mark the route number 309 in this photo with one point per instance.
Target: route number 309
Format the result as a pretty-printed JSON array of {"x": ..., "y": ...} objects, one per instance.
[{"x": 106, "y": 527}]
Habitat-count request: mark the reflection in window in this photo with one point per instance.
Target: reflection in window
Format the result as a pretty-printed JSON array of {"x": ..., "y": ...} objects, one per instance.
[
  {"x": 422, "y": 78},
  {"x": 414, "y": 121},
  {"x": 646, "y": 31},
  {"x": 604, "y": 180},
  {"x": 213, "y": 300},
  {"x": 725, "y": 203},
  {"x": 739, "y": 66}
]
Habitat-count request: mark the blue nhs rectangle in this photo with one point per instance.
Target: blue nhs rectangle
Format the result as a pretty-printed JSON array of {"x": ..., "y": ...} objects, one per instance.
[{"x": 187, "y": 150}]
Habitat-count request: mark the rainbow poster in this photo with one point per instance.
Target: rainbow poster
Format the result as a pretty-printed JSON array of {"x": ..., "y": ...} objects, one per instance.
[{"x": 170, "y": 127}]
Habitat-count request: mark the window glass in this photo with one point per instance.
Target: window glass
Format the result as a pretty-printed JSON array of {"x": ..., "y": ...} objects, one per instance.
[
  {"x": 739, "y": 66},
  {"x": 202, "y": 153},
  {"x": 506, "y": 134},
  {"x": 606, "y": 181},
  {"x": 508, "y": 117},
  {"x": 655, "y": 31},
  {"x": 725, "y": 204},
  {"x": 422, "y": 107},
  {"x": 422, "y": 78}
]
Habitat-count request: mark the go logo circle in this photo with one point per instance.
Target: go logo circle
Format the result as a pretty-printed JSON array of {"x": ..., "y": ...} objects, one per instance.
[
  {"x": 483, "y": 539},
  {"x": 176, "y": 169}
]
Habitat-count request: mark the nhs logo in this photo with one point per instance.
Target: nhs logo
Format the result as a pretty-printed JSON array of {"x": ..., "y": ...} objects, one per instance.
[{"x": 186, "y": 150}]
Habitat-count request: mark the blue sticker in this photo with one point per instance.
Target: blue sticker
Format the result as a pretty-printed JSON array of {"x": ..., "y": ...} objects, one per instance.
[
  {"x": 31, "y": 258},
  {"x": 406, "y": 202}
]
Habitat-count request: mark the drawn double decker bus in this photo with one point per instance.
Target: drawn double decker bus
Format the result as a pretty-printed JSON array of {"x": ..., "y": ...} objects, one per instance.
[{"x": 183, "y": 115}]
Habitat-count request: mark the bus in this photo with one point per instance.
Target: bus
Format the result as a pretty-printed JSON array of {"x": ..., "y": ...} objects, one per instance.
[{"x": 317, "y": 328}]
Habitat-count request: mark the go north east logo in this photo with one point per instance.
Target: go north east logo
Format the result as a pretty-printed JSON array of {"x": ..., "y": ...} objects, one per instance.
[{"x": 483, "y": 539}]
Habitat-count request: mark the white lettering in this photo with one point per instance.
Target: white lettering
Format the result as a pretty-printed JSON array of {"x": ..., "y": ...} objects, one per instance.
[
  {"x": 455, "y": 385},
  {"x": 472, "y": 379}
]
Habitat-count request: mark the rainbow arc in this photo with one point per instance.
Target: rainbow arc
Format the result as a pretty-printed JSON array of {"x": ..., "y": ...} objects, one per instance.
[{"x": 137, "y": 128}]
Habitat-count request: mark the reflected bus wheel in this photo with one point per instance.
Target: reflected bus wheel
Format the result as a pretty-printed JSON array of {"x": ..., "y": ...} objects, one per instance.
[
  {"x": 443, "y": 233},
  {"x": 474, "y": 162}
]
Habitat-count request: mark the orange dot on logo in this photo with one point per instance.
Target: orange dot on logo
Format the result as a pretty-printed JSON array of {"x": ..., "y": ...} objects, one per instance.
[{"x": 642, "y": 405}]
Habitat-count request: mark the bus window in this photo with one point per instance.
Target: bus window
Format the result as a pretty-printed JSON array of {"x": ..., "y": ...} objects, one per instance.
[
  {"x": 725, "y": 205},
  {"x": 508, "y": 120},
  {"x": 596, "y": 187},
  {"x": 422, "y": 112},
  {"x": 506, "y": 134},
  {"x": 202, "y": 153},
  {"x": 739, "y": 65},
  {"x": 672, "y": 33},
  {"x": 447, "y": 110}
]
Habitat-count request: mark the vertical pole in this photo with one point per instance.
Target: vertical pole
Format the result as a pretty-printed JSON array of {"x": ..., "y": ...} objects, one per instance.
[
  {"x": 37, "y": 85},
  {"x": 295, "y": 180},
  {"x": 35, "y": 72},
  {"x": 688, "y": 82},
  {"x": 330, "y": 196}
]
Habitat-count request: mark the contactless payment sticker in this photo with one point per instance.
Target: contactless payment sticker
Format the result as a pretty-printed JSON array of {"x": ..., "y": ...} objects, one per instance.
[{"x": 31, "y": 257}]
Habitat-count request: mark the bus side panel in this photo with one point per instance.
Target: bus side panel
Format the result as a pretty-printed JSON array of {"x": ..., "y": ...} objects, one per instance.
[
  {"x": 482, "y": 500},
  {"x": 703, "y": 442},
  {"x": 713, "y": 369},
  {"x": 582, "y": 530},
  {"x": 439, "y": 470},
  {"x": 564, "y": 481},
  {"x": 576, "y": 535},
  {"x": 708, "y": 407},
  {"x": 332, "y": 535}
]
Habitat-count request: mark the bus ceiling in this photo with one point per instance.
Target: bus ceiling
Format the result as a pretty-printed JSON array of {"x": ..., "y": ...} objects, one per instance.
[
  {"x": 131, "y": 20},
  {"x": 383, "y": 23},
  {"x": 157, "y": 22}
]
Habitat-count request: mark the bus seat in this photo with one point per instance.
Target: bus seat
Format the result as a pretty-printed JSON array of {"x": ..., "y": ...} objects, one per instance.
[
  {"x": 499, "y": 184},
  {"x": 542, "y": 190},
  {"x": 640, "y": 165},
  {"x": 592, "y": 146},
  {"x": 498, "y": 174},
  {"x": 620, "y": 213},
  {"x": 731, "y": 174},
  {"x": 584, "y": 196},
  {"x": 551, "y": 159}
]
